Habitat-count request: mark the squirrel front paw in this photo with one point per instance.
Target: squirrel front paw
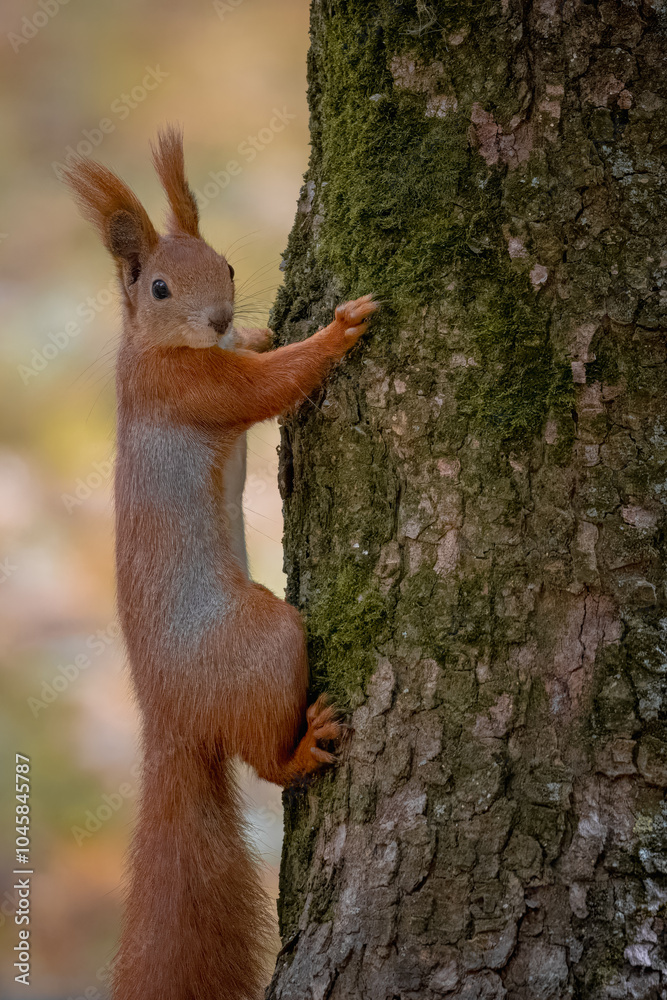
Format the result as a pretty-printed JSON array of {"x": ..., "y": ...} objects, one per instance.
[
  {"x": 254, "y": 339},
  {"x": 354, "y": 316}
]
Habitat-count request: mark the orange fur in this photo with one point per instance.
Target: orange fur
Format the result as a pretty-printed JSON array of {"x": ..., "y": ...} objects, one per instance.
[
  {"x": 170, "y": 166},
  {"x": 218, "y": 662}
]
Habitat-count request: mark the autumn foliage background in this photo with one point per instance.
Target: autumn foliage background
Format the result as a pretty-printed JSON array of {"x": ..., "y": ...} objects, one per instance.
[{"x": 221, "y": 70}]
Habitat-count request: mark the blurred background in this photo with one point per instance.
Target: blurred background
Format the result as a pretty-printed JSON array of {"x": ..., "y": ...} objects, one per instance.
[{"x": 101, "y": 78}]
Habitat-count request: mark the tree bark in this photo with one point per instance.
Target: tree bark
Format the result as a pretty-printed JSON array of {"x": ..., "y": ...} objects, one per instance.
[{"x": 474, "y": 504}]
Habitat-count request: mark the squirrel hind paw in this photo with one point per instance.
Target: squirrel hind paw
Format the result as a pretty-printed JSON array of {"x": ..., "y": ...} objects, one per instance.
[
  {"x": 324, "y": 726},
  {"x": 323, "y": 720}
]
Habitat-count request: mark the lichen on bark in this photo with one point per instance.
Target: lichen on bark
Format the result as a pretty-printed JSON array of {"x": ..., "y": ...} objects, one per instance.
[{"x": 474, "y": 503}]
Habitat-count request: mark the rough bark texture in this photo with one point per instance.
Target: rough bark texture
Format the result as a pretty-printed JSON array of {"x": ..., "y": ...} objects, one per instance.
[{"x": 474, "y": 506}]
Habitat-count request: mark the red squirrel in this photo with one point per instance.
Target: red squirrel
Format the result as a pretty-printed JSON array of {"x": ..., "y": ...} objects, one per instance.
[{"x": 218, "y": 662}]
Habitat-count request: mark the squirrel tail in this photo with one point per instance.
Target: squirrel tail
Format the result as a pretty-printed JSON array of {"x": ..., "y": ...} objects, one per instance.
[{"x": 196, "y": 923}]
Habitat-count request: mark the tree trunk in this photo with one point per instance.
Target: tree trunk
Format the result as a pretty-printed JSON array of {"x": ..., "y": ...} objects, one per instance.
[{"x": 474, "y": 521}]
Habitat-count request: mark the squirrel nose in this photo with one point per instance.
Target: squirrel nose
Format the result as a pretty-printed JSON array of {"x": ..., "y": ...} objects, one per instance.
[
  {"x": 220, "y": 328},
  {"x": 221, "y": 319}
]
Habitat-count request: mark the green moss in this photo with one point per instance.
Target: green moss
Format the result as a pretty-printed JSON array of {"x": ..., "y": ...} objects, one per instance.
[
  {"x": 412, "y": 213},
  {"x": 425, "y": 223},
  {"x": 392, "y": 230},
  {"x": 304, "y": 808},
  {"x": 517, "y": 379},
  {"x": 345, "y": 621},
  {"x": 300, "y": 834}
]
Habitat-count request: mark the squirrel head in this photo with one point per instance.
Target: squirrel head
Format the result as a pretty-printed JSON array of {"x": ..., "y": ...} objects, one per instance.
[{"x": 177, "y": 291}]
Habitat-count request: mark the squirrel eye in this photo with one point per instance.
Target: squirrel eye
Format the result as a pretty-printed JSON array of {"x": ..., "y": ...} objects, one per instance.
[
  {"x": 160, "y": 289},
  {"x": 231, "y": 271}
]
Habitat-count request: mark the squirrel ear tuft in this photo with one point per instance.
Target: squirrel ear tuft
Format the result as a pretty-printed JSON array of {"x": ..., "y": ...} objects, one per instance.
[
  {"x": 115, "y": 211},
  {"x": 170, "y": 166}
]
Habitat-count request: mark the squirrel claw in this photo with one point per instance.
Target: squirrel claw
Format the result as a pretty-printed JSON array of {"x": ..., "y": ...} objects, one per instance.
[
  {"x": 316, "y": 708},
  {"x": 323, "y": 725},
  {"x": 353, "y": 313},
  {"x": 329, "y": 730},
  {"x": 356, "y": 331}
]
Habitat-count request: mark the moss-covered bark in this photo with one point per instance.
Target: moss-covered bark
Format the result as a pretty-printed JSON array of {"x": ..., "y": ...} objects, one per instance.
[{"x": 474, "y": 506}]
